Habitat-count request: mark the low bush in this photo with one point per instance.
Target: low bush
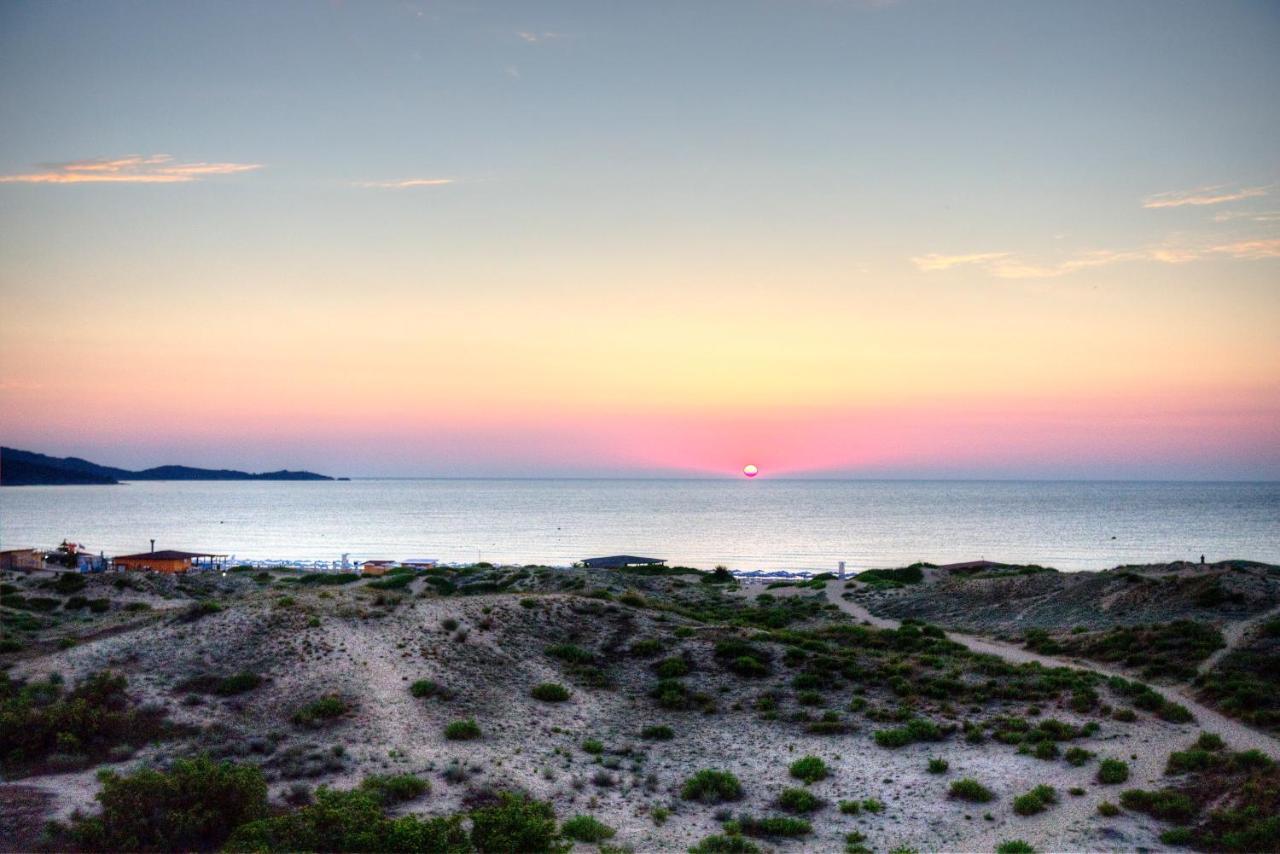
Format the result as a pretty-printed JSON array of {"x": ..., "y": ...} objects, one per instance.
[
  {"x": 672, "y": 668},
  {"x": 1113, "y": 772},
  {"x": 393, "y": 789},
  {"x": 194, "y": 806},
  {"x": 463, "y": 730},
  {"x": 585, "y": 828},
  {"x": 316, "y": 713},
  {"x": 1108, "y": 809},
  {"x": 570, "y": 653},
  {"x": 1037, "y": 800},
  {"x": 711, "y": 787},
  {"x": 938, "y": 766},
  {"x": 657, "y": 733},
  {"x": 724, "y": 844},
  {"x": 593, "y": 746},
  {"x": 748, "y": 666},
  {"x": 1165, "y": 804},
  {"x": 798, "y": 800},
  {"x": 774, "y": 826},
  {"x": 810, "y": 769},
  {"x": 424, "y": 688},
  {"x": 516, "y": 823},
  {"x": 1078, "y": 756},
  {"x": 41, "y": 721},
  {"x": 550, "y": 692},
  {"x": 1015, "y": 846},
  {"x": 969, "y": 789}
]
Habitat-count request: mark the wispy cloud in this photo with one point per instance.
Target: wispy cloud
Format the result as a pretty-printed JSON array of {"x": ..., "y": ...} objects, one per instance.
[
  {"x": 535, "y": 37},
  {"x": 1006, "y": 265},
  {"x": 1252, "y": 216},
  {"x": 1249, "y": 249},
  {"x": 1215, "y": 195},
  {"x": 404, "y": 184},
  {"x": 933, "y": 261},
  {"x": 134, "y": 169}
]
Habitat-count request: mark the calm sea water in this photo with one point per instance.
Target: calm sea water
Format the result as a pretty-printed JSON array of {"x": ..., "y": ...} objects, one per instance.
[{"x": 762, "y": 524}]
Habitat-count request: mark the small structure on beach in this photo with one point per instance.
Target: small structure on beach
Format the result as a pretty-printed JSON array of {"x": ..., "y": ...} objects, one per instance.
[
  {"x": 377, "y": 567},
  {"x": 622, "y": 561},
  {"x": 169, "y": 561},
  {"x": 421, "y": 562},
  {"x": 21, "y": 560}
]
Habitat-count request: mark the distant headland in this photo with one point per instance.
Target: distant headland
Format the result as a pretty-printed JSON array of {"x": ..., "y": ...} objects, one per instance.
[{"x": 27, "y": 468}]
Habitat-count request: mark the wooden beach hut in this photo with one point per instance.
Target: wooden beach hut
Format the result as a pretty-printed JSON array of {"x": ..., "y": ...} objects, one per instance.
[{"x": 168, "y": 561}]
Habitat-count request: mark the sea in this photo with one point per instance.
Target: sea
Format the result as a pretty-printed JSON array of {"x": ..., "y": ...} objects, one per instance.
[{"x": 746, "y": 525}]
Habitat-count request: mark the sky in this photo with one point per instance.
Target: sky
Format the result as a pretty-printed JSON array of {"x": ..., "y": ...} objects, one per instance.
[{"x": 833, "y": 238}]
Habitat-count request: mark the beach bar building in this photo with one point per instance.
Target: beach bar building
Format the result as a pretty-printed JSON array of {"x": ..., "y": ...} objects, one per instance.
[
  {"x": 169, "y": 561},
  {"x": 22, "y": 560},
  {"x": 621, "y": 562},
  {"x": 377, "y": 567}
]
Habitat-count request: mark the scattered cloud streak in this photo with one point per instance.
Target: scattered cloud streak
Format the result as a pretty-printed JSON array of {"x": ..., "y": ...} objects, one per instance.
[
  {"x": 133, "y": 169},
  {"x": 534, "y": 37},
  {"x": 1252, "y": 216},
  {"x": 933, "y": 261},
  {"x": 1215, "y": 195},
  {"x": 404, "y": 184},
  {"x": 1006, "y": 265}
]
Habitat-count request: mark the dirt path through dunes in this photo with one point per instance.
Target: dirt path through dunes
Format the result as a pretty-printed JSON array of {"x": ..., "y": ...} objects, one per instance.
[
  {"x": 1236, "y": 734},
  {"x": 1234, "y": 636}
]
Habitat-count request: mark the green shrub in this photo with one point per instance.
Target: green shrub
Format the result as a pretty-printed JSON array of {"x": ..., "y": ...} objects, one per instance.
[
  {"x": 427, "y": 688},
  {"x": 873, "y": 805},
  {"x": 724, "y": 844},
  {"x": 1078, "y": 756},
  {"x": 773, "y": 826},
  {"x": 1186, "y": 761},
  {"x": 516, "y": 823},
  {"x": 1177, "y": 836},
  {"x": 798, "y": 800},
  {"x": 584, "y": 828},
  {"x": 646, "y": 647},
  {"x": 1210, "y": 741},
  {"x": 916, "y": 729},
  {"x": 83, "y": 725},
  {"x": 850, "y": 807},
  {"x": 711, "y": 787},
  {"x": 748, "y": 666},
  {"x": 1015, "y": 846},
  {"x": 593, "y": 746},
  {"x": 1113, "y": 772},
  {"x": 969, "y": 789},
  {"x": 392, "y": 789},
  {"x": 324, "y": 709},
  {"x": 550, "y": 692},
  {"x": 570, "y": 653},
  {"x": 1046, "y": 750},
  {"x": 657, "y": 733},
  {"x": 1108, "y": 809},
  {"x": 238, "y": 683},
  {"x": 671, "y": 694},
  {"x": 810, "y": 769},
  {"x": 938, "y": 766},
  {"x": 1165, "y": 804},
  {"x": 463, "y": 730},
  {"x": 671, "y": 668},
  {"x": 192, "y": 807},
  {"x": 1037, "y": 800}
]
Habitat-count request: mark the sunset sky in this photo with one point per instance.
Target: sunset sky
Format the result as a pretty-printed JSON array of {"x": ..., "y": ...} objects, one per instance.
[{"x": 829, "y": 237}]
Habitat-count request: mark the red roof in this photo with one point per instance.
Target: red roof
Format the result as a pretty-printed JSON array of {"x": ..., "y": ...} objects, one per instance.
[{"x": 167, "y": 554}]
